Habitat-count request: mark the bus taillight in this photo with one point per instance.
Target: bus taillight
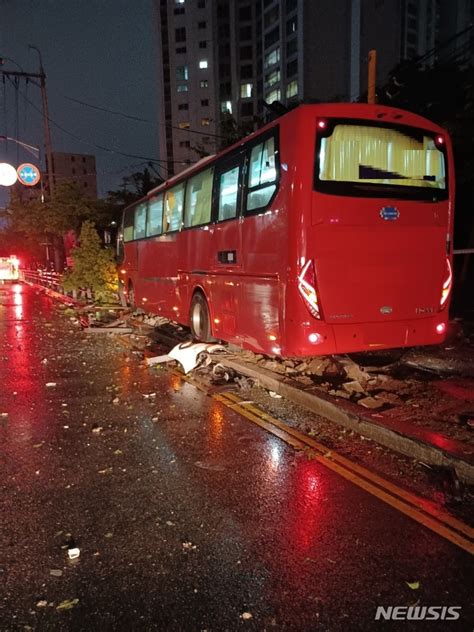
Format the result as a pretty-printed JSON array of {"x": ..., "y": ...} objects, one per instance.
[
  {"x": 307, "y": 288},
  {"x": 446, "y": 285}
]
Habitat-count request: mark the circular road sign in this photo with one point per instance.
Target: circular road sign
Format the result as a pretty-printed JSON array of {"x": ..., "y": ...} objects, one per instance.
[{"x": 28, "y": 174}]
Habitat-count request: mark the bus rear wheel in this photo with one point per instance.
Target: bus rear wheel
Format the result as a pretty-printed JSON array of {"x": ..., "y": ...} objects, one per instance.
[{"x": 200, "y": 319}]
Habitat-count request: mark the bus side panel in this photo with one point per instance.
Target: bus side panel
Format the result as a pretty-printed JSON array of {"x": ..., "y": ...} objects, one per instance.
[
  {"x": 193, "y": 269},
  {"x": 157, "y": 284},
  {"x": 129, "y": 265},
  {"x": 264, "y": 242}
]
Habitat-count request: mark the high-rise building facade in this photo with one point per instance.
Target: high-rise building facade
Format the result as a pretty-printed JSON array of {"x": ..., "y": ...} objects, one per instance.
[
  {"x": 219, "y": 61},
  {"x": 77, "y": 168}
]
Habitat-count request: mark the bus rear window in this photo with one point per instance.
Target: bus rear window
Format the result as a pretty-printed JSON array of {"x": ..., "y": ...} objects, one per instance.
[{"x": 375, "y": 160}]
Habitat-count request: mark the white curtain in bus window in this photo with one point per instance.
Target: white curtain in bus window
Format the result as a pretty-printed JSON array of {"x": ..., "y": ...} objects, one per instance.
[
  {"x": 128, "y": 220},
  {"x": 198, "y": 199},
  {"x": 140, "y": 221},
  {"x": 173, "y": 210},
  {"x": 380, "y": 155},
  {"x": 262, "y": 171},
  {"x": 154, "y": 222},
  {"x": 228, "y": 191}
]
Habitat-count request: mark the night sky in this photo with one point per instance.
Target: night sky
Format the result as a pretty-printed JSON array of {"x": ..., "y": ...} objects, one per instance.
[{"x": 101, "y": 52}]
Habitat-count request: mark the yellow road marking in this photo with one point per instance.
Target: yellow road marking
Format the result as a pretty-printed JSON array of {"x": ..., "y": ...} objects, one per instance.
[
  {"x": 417, "y": 508},
  {"x": 428, "y": 507}
]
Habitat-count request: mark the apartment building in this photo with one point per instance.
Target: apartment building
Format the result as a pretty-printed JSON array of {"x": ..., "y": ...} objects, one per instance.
[
  {"x": 219, "y": 61},
  {"x": 77, "y": 168}
]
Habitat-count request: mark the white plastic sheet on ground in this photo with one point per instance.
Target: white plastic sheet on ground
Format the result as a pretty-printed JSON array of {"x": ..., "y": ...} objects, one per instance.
[{"x": 187, "y": 354}]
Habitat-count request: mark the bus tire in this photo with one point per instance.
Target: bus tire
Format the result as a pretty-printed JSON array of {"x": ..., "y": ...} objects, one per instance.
[
  {"x": 131, "y": 296},
  {"x": 200, "y": 318}
]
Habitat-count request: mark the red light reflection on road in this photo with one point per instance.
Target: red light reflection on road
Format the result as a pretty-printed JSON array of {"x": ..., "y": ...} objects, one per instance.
[
  {"x": 18, "y": 301},
  {"x": 306, "y": 507}
]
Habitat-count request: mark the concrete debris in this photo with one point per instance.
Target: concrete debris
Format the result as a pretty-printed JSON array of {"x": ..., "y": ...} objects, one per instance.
[
  {"x": 272, "y": 365},
  {"x": 389, "y": 384},
  {"x": 389, "y": 398},
  {"x": 370, "y": 402},
  {"x": 325, "y": 366},
  {"x": 353, "y": 387},
  {"x": 354, "y": 372},
  {"x": 339, "y": 393}
]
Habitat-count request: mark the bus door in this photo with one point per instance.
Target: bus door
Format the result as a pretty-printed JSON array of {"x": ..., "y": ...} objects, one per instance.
[
  {"x": 226, "y": 255},
  {"x": 264, "y": 241}
]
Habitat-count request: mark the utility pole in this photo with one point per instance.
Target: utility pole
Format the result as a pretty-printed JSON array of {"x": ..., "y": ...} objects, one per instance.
[
  {"x": 372, "y": 76},
  {"x": 46, "y": 128}
]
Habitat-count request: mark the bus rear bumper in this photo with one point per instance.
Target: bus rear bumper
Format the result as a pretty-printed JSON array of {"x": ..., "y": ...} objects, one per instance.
[{"x": 347, "y": 338}]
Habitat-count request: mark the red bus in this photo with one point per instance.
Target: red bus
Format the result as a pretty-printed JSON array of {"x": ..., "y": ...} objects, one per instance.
[{"x": 327, "y": 231}]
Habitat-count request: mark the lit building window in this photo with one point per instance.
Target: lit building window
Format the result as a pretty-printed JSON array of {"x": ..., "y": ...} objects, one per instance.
[
  {"x": 203, "y": 63},
  {"x": 204, "y": 83},
  {"x": 226, "y": 106},
  {"x": 182, "y": 73},
  {"x": 272, "y": 58},
  {"x": 292, "y": 89},
  {"x": 183, "y": 125},
  {"x": 246, "y": 90},
  {"x": 274, "y": 95},
  {"x": 204, "y": 122},
  {"x": 272, "y": 78},
  {"x": 182, "y": 88}
]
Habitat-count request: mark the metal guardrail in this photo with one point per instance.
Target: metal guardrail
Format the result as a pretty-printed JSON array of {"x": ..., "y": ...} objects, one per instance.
[{"x": 53, "y": 281}]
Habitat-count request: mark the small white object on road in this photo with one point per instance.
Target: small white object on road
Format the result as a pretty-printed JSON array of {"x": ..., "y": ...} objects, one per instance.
[{"x": 74, "y": 553}]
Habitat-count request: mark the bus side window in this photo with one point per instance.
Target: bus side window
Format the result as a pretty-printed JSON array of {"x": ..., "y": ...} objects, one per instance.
[
  {"x": 128, "y": 219},
  {"x": 173, "y": 208},
  {"x": 228, "y": 192},
  {"x": 262, "y": 175},
  {"x": 140, "y": 221},
  {"x": 154, "y": 223},
  {"x": 199, "y": 199}
]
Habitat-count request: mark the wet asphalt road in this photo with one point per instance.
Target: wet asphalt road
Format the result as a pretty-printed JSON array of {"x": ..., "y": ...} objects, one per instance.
[{"x": 186, "y": 515}]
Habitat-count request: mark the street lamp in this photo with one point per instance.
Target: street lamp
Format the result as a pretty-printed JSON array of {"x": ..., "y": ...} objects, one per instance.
[{"x": 8, "y": 174}]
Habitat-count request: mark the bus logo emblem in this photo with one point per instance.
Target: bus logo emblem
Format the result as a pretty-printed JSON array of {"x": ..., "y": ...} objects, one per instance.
[
  {"x": 386, "y": 309},
  {"x": 389, "y": 213}
]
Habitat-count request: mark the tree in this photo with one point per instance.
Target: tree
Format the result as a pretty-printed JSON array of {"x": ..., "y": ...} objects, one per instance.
[
  {"x": 49, "y": 221},
  {"x": 133, "y": 187},
  {"x": 229, "y": 131},
  {"x": 93, "y": 267}
]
